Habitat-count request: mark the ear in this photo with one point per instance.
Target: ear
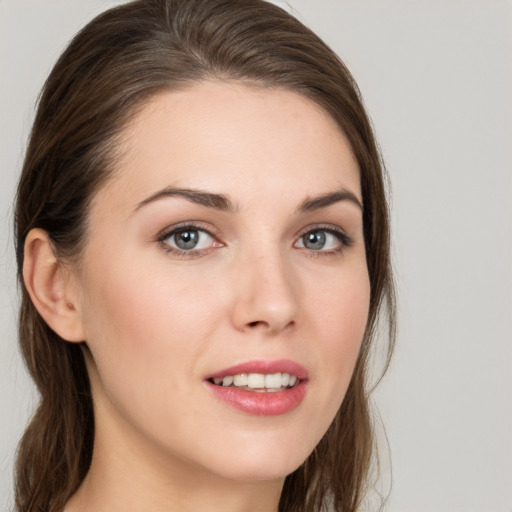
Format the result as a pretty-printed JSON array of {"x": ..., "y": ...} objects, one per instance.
[{"x": 51, "y": 287}]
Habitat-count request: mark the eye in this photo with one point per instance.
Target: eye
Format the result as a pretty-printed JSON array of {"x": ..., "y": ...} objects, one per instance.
[
  {"x": 188, "y": 239},
  {"x": 324, "y": 240}
]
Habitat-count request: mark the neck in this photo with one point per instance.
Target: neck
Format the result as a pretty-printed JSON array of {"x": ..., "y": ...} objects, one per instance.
[
  {"x": 129, "y": 474},
  {"x": 133, "y": 491}
]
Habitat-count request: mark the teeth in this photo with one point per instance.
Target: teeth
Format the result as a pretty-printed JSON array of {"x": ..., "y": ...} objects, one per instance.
[
  {"x": 271, "y": 382},
  {"x": 240, "y": 380},
  {"x": 256, "y": 380},
  {"x": 227, "y": 381}
]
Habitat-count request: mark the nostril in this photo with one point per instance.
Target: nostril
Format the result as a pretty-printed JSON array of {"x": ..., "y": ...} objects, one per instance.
[{"x": 256, "y": 323}]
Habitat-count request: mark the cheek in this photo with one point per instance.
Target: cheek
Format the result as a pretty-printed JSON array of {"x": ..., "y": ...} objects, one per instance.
[
  {"x": 338, "y": 316},
  {"x": 144, "y": 303},
  {"x": 145, "y": 331}
]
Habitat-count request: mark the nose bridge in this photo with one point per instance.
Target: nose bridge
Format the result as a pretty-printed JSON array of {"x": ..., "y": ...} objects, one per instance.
[{"x": 265, "y": 291}]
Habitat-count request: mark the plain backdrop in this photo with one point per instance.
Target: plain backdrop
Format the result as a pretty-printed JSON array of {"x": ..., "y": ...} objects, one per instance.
[{"x": 436, "y": 76}]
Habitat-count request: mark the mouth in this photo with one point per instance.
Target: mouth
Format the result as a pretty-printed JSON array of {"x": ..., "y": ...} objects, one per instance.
[
  {"x": 265, "y": 388},
  {"x": 258, "y": 382}
]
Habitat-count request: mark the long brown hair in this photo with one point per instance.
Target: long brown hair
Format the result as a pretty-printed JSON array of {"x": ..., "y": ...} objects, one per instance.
[{"x": 109, "y": 70}]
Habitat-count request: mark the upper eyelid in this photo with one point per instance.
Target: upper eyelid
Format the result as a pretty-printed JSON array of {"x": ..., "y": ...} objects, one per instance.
[
  {"x": 195, "y": 225},
  {"x": 331, "y": 228}
]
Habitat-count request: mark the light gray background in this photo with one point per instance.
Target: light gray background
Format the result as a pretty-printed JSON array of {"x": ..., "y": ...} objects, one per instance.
[{"x": 436, "y": 76}]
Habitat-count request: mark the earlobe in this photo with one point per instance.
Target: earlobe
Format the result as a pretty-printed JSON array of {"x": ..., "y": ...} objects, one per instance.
[{"x": 50, "y": 287}]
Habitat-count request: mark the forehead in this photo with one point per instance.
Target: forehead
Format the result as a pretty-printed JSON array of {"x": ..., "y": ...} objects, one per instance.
[{"x": 234, "y": 139}]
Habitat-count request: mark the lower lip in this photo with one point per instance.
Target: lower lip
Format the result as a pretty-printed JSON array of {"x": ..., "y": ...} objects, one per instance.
[{"x": 261, "y": 403}]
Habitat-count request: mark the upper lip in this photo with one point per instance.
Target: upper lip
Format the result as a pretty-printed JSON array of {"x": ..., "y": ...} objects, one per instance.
[{"x": 265, "y": 367}]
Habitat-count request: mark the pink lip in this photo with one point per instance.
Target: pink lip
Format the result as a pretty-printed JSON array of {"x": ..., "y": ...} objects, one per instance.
[{"x": 262, "y": 403}]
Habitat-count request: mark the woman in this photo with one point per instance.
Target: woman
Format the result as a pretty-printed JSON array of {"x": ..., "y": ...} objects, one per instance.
[{"x": 203, "y": 252}]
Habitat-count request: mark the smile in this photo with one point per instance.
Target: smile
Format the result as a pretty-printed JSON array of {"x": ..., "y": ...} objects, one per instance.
[
  {"x": 258, "y": 382},
  {"x": 261, "y": 388}
]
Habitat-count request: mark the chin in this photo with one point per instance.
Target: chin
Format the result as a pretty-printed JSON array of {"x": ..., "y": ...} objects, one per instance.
[
  {"x": 260, "y": 461},
  {"x": 276, "y": 470}
]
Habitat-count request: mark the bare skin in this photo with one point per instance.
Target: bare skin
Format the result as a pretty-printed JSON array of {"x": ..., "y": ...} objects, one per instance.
[{"x": 275, "y": 275}]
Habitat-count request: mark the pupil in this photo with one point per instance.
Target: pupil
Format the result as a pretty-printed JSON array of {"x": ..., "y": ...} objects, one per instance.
[
  {"x": 314, "y": 240},
  {"x": 187, "y": 239}
]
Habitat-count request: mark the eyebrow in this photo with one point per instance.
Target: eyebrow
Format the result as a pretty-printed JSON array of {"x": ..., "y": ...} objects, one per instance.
[
  {"x": 223, "y": 203},
  {"x": 208, "y": 199},
  {"x": 328, "y": 199}
]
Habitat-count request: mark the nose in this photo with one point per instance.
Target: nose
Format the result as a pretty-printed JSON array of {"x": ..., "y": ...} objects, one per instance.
[{"x": 266, "y": 294}]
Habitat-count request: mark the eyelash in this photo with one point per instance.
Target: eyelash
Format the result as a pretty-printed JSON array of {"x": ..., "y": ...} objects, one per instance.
[
  {"x": 344, "y": 240},
  {"x": 190, "y": 254}
]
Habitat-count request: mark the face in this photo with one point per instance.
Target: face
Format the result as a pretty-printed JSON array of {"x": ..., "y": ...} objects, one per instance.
[{"x": 223, "y": 289}]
